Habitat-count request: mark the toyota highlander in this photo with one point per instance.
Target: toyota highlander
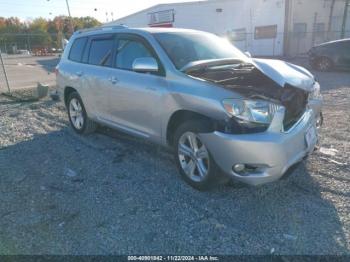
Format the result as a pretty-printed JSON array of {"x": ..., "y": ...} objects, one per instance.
[{"x": 224, "y": 114}]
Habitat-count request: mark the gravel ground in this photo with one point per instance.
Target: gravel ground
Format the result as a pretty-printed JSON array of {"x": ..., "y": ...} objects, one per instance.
[{"x": 109, "y": 193}]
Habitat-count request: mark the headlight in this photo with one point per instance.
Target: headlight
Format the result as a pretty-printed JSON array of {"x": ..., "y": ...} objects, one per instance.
[
  {"x": 316, "y": 92},
  {"x": 257, "y": 111}
]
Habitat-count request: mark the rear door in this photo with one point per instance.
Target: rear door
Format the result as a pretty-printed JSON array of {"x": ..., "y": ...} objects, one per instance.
[
  {"x": 96, "y": 77},
  {"x": 70, "y": 69}
]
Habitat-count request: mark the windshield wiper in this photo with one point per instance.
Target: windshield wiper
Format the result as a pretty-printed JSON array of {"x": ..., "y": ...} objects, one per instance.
[{"x": 215, "y": 64}]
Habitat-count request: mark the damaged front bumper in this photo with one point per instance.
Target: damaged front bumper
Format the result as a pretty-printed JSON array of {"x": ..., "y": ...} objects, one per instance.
[{"x": 266, "y": 156}]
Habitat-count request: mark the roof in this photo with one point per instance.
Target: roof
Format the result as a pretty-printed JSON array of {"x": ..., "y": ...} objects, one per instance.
[
  {"x": 122, "y": 28},
  {"x": 166, "y": 30},
  {"x": 166, "y": 5},
  {"x": 335, "y": 41}
]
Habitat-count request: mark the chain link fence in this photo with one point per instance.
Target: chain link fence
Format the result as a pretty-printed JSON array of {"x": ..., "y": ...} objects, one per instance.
[
  {"x": 291, "y": 44},
  {"x": 29, "y": 59},
  {"x": 300, "y": 43},
  {"x": 4, "y": 83},
  {"x": 27, "y": 62},
  {"x": 281, "y": 44},
  {"x": 32, "y": 43}
]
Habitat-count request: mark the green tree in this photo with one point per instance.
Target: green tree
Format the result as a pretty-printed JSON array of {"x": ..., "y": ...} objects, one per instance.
[{"x": 40, "y": 32}]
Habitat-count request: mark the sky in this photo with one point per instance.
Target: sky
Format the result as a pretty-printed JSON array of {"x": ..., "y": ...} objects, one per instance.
[{"x": 30, "y": 9}]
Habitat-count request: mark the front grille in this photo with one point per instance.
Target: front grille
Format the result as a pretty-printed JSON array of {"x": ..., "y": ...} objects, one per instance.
[{"x": 295, "y": 101}]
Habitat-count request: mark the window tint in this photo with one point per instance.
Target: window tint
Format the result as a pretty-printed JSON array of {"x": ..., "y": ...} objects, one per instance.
[
  {"x": 101, "y": 52},
  {"x": 343, "y": 47},
  {"x": 128, "y": 51},
  {"x": 347, "y": 46},
  {"x": 77, "y": 49}
]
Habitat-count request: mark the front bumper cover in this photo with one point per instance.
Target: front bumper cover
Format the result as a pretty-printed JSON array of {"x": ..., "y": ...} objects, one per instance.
[{"x": 272, "y": 152}]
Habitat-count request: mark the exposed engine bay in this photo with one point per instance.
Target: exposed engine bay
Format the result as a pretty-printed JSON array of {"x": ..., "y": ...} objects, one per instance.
[{"x": 251, "y": 83}]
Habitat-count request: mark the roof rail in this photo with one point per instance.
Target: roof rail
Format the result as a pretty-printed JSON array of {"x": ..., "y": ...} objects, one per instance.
[{"x": 106, "y": 27}]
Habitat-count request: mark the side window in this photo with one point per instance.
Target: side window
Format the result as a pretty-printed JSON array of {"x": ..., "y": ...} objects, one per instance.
[
  {"x": 128, "y": 50},
  {"x": 344, "y": 44},
  {"x": 101, "y": 51},
  {"x": 77, "y": 49},
  {"x": 347, "y": 47},
  {"x": 344, "y": 47}
]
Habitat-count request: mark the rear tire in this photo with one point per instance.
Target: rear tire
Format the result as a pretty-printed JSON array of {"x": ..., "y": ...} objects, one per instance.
[
  {"x": 194, "y": 161},
  {"x": 77, "y": 115}
]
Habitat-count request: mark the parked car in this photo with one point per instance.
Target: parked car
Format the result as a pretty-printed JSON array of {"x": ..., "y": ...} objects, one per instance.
[
  {"x": 330, "y": 55},
  {"x": 224, "y": 114},
  {"x": 24, "y": 52}
]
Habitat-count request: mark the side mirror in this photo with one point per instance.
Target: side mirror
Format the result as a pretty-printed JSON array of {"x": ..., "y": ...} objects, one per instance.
[
  {"x": 247, "y": 53},
  {"x": 145, "y": 65}
]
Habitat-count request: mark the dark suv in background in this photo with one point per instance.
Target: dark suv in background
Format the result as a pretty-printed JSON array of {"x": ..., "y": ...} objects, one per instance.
[{"x": 330, "y": 55}]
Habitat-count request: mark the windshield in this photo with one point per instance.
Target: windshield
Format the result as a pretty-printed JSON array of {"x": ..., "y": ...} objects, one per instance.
[{"x": 186, "y": 47}]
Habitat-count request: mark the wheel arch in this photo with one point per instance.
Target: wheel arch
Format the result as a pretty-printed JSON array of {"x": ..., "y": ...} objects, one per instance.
[
  {"x": 67, "y": 91},
  {"x": 318, "y": 58},
  {"x": 182, "y": 115}
]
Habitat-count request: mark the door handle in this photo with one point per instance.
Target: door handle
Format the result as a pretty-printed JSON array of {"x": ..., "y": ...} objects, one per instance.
[
  {"x": 79, "y": 73},
  {"x": 113, "y": 80}
]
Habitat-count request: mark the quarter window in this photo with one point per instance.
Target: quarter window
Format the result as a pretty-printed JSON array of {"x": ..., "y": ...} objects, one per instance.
[
  {"x": 101, "y": 51},
  {"x": 77, "y": 49},
  {"x": 128, "y": 50}
]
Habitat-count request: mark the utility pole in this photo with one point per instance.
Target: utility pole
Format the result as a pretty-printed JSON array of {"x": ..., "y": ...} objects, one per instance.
[
  {"x": 329, "y": 29},
  {"x": 70, "y": 17},
  {"x": 345, "y": 16},
  {"x": 314, "y": 28},
  {"x": 287, "y": 19}
]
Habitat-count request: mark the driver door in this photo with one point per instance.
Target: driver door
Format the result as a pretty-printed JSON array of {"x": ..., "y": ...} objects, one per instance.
[{"x": 136, "y": 97}]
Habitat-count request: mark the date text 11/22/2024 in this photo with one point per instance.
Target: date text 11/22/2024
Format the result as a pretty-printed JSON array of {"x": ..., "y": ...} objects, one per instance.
[{"x": 173, "y": 258}]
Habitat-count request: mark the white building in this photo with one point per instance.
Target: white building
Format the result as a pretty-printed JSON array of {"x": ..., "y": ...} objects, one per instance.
[{"x": 262, "y": 27}]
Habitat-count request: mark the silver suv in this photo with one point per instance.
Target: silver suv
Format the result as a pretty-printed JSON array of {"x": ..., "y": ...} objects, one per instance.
[{"x": 225, "y": 114}]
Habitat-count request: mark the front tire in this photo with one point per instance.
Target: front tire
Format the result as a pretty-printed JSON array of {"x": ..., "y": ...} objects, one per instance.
[
  {"x": 194, "y": 161},
  {"x": 77, "y": 115}
]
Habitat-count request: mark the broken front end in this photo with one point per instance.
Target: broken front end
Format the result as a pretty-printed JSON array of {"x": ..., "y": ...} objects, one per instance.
[{"x": 269, "y": 130}]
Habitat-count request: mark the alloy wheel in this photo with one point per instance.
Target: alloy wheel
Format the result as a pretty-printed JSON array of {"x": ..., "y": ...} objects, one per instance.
[
  {"x": 324, "y": 64},
  {"x": 193, "y": 156},
  {"x": 76, "y": 113}
]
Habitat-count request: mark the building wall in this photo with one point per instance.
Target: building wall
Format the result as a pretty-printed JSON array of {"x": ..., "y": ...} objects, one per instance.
[
  {"x": 312, "y": 22},
  {"x": 224, "y": 17},
  {"x": 298, "y": 24}
]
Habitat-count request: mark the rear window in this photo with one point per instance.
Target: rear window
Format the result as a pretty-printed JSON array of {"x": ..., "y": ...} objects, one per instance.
[
  {"x": 77, "y": 49},
  {"x": 101, "y": 52}
]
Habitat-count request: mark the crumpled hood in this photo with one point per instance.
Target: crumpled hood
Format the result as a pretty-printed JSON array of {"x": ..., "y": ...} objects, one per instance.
[{"x": 285, "y": 73}]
